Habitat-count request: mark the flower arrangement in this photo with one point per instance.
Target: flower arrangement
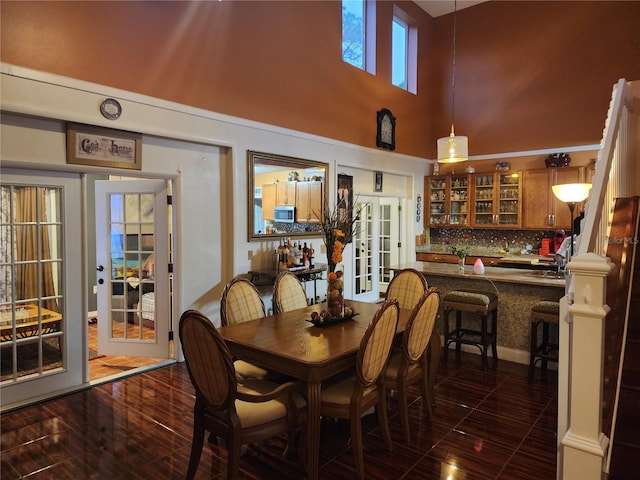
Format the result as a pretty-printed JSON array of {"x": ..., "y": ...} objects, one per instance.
[
  {"x": 460, "y": 252},
  {"x": 338, "y": 230}
]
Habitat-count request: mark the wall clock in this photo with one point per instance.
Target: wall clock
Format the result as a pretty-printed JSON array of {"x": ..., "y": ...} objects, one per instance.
[
  {"x": 111, "y": 109},
  {"x": 386, "y": 137}
]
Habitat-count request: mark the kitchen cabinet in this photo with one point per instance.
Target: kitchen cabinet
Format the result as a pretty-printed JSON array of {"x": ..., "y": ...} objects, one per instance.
[
  {"x": 453, "y": 259},
  {"x": 277, "y": 194},
  {"x": 309, "y": 207},
  {"x": 541, "y": 209},
  {"x": 447, "y": 200},
  {"x": 497, "y": 199}
]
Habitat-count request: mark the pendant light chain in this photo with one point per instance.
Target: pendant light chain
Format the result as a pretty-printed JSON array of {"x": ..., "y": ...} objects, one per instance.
[{"x": 453, "y": 71}]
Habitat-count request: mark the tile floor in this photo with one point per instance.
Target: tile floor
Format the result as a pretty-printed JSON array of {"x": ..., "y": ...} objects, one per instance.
[
  {"x": 106, "y": 366},
  {"x": 487, "y": 425}
]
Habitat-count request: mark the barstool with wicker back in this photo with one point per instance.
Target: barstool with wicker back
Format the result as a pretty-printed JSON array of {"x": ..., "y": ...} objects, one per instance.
[
  {"x": 482, "y": 304},
  {"x": 543, "y": 313}
]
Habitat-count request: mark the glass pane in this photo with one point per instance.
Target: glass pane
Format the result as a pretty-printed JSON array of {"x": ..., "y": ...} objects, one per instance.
[
  {"x": 353, "y": 28},
  {"x": 117, "y": 208},
  {"x": 399, "y": 47},
  {"x": 132, "y": 208}
]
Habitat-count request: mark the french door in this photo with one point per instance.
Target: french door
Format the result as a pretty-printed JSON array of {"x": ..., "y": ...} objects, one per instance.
[
  {"x": 41, "y": 302},
  {"x": 132, "y": 257},
  {"x": 376, "y": 246}
]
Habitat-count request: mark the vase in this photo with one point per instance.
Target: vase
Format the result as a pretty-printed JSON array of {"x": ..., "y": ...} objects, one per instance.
[
  {"x": 335, "y": 295},
  {"x": 461, "y": 264}
]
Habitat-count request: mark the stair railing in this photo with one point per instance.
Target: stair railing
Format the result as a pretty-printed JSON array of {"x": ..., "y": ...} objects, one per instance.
[{"x": 583, "y": 447}]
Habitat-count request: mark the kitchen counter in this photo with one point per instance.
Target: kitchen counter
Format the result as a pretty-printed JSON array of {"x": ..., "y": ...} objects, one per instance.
[
  {"x": 517, "y": 289},
  {"x": 495, "y": 274}
]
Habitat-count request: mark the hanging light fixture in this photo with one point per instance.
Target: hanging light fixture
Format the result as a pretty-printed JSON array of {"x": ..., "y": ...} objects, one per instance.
[{"x": 454, "y": 148}]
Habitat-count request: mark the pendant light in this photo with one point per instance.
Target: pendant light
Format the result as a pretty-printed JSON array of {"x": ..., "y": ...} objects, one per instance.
[{"x": 454, "y": 148}]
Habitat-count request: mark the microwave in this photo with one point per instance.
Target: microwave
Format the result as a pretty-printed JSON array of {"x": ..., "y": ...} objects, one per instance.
[{"x": 284, "y": 214}]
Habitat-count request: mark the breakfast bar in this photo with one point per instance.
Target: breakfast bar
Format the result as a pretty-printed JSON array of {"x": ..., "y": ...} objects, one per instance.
[{"x": 517, "y": 289}]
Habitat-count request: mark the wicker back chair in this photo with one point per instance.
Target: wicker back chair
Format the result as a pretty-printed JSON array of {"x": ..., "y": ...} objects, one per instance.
[
  {"x": 288, "y": 293},
  {"x": 410, "y": 365},
  {"x": 350, "y": 397},
  {"x": 238, "y": 413}
]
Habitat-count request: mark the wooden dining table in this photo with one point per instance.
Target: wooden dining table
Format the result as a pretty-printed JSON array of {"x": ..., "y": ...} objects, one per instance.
[{"x": 288, "y": 343}]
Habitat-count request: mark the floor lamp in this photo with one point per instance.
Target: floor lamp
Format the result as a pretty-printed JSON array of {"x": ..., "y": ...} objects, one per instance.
[{"x": 572, "y": 194}]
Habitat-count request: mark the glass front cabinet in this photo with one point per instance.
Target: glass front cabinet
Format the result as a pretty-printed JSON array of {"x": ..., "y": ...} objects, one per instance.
[
  {"x": 448, "y": 200},
  {"x": 497, "y": 199}
]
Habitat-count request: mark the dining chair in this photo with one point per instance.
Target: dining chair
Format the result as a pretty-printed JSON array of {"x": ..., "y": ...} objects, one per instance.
[
  {"x": 407, "y": 287},
  {"x": 288, "y": 293},
  {"x": 349, "y": 397},
  {"x": 240, "y": 303},
  {"x": 239, "y": 413},
  {"x": 410, "y": 366}
]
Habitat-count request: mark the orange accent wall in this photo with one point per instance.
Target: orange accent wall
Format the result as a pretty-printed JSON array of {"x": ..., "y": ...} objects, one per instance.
[{"x": 529, "y": 74}]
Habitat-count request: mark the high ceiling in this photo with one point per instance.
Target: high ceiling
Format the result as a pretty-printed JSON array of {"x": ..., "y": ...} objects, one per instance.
[{"x": 436, "y": 8}]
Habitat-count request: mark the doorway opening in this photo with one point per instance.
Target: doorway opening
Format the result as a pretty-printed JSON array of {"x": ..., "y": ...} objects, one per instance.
[{"x": 130, "y": 329}]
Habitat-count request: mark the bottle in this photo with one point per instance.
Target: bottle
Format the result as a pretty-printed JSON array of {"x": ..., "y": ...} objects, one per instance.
[
  {"x": 305, "y": 254},
  {"x": 311, "y": 252}
]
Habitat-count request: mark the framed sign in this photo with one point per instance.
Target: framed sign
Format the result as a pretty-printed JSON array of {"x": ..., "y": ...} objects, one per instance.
[
  {"x": 103, "y": 147},
  {"x": 386, "y": 136},
  {"x": 377, "y": 181}
]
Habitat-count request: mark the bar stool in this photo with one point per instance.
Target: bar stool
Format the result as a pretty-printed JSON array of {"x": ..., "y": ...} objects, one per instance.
[
  {"x": 480, "y": 303},
  {"x": 543, "y": 313}
]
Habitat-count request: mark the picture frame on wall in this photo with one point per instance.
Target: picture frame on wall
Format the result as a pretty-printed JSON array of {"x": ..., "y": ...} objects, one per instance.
[
  {"x": 345, "y": 198},
  {"x": 103, "y": 147},
  {"x": 377, "y": 181},
  {"x": 386, "y": 131}
]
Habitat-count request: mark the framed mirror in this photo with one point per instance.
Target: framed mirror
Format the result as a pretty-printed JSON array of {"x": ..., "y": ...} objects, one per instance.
[{"x": 286, "y": 196}]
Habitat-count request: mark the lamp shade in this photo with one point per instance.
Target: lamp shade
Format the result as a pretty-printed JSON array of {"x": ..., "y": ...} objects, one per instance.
[
  {"x": 454, "y": 148},
  {"x": 571, "y": 192}
]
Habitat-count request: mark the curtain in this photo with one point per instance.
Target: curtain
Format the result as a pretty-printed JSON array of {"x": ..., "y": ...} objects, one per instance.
[{"x": 30, "y": 212}]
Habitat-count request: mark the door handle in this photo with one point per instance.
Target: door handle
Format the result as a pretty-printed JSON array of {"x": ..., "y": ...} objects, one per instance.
[{"x": 100, "y": 268}]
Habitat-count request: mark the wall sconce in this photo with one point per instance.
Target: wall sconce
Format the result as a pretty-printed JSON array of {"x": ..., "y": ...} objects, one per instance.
[{"x": 571, "y": 194}]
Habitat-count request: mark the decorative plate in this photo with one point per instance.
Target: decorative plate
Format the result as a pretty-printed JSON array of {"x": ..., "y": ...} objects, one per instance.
[{"x": 332, "y": 320}]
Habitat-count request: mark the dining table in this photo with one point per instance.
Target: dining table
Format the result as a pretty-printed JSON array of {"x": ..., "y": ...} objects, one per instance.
[{"x": 290, "y": 344}]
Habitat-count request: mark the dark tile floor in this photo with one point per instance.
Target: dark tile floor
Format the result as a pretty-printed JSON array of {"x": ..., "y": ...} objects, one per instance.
[{"x": 487, "y": 425}]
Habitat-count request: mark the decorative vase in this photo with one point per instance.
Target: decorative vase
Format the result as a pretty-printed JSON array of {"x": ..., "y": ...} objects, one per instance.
[
  {"x": 335, "y": 296},
  {"x": 461, "y": 264}
]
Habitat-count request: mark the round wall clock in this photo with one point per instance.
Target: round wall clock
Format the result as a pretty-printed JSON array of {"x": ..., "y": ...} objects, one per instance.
[{"x": 111, "y": 109}]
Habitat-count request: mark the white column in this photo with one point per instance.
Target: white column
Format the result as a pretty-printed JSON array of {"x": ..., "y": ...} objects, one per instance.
[{"x": 584, "y": 445}]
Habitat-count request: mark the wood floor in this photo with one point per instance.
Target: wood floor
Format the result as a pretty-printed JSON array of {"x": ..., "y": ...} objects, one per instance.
[{"x": 491, "y": 425}]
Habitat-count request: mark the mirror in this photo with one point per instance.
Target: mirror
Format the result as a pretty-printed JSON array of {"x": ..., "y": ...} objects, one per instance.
[{"x": 286, "y": 196}]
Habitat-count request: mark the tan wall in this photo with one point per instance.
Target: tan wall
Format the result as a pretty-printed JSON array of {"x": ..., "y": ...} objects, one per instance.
[{"x": 529, "y": 74}]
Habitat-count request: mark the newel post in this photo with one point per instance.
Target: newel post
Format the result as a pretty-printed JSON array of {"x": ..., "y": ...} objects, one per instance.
[{"x": 584, "y": 446}]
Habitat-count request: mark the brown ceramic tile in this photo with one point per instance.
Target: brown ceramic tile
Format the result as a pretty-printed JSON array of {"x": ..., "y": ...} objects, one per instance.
[{"x": 489, "y": 424}]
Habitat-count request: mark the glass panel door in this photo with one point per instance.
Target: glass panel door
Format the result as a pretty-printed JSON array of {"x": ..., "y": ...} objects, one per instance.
[
  {"x": 132, "y": 262},
  {"x": 31, "y": 295}
]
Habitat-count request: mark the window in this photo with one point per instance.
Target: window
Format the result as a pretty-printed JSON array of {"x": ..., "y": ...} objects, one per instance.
[
  {"x": 404, "y": 51},
  {"x": 358, "y": 33},
  {"x": 399, "y": 41}
]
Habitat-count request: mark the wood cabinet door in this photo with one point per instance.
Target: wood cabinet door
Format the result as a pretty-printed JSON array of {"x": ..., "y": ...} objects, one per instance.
[
  {"x": 309, "y": 202},
  {"x": 541, "y": 209},
  {"x": 286, "y": 193},
  {"x": 269, "y": 194},
  {"x": 536, "y": 199}
]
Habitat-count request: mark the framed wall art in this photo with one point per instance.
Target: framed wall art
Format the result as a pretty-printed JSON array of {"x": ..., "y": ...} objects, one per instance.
[
  {"x": 377, "y": 181},
  {"x": 103, "y": 147},
  {"x": 386, "y": 136}
]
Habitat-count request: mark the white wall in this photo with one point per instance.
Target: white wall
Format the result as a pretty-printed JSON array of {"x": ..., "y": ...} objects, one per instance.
[{"x": 204, "y": 153}]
